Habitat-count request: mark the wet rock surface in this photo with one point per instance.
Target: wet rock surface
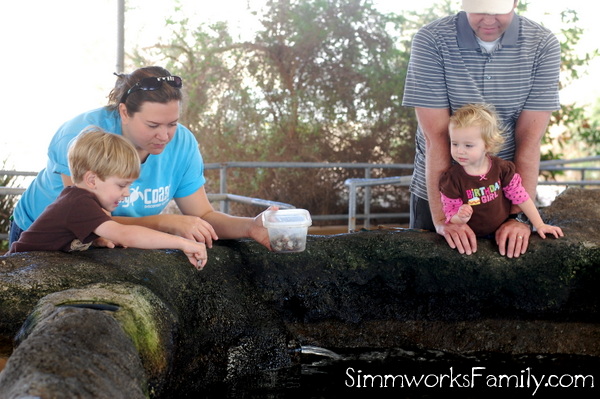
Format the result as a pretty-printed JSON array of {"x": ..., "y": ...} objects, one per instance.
[
  {"x": 250, "y": 309},
  {"x": 75, "y": 353}
]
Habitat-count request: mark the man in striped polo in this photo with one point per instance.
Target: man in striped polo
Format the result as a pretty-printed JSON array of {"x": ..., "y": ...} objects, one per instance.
[{"x": 484, "y": 54}]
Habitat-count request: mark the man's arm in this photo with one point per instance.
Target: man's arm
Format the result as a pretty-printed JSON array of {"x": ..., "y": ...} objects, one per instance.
[
  {"x": 529, "y": 132},
  {"x": 434, "y": 123},
  {"x": 513, "y": 237}
]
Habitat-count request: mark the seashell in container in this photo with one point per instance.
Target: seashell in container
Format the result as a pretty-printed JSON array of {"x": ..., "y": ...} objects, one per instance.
[{"x": 287, "y": 229}]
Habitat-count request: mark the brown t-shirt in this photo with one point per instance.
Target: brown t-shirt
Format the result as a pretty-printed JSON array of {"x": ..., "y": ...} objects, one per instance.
[
  {"x": 490, "y": 195},
  {"x": 67, "y": 224}
]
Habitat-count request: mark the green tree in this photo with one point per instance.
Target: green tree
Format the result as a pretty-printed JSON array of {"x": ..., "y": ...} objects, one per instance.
[
  {"x": 580, "y": 133},
  {"x": 322, "y": 80}
]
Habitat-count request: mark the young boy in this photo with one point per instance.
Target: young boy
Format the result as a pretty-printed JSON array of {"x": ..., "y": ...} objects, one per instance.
[
  {"x": 480, "y": 188},
  {"x": 103, "y": 166}
]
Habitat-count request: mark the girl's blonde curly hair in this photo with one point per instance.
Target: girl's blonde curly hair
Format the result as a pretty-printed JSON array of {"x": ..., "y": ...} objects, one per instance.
[{"x": 484, "y": 117}]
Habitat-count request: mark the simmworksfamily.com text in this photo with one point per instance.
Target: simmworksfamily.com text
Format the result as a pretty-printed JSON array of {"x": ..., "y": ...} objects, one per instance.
[{"x": 475, "y": 377}]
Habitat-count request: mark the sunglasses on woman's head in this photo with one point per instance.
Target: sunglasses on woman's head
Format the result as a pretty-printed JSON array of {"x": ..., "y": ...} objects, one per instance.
[{"x": 153, "y": 83}]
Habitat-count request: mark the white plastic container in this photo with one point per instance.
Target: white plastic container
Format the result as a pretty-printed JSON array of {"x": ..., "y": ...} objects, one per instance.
[{"x": 287, "y": 229}]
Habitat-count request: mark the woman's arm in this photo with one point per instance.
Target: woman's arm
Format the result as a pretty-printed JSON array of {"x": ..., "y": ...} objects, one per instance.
[{"x": 225, "y": 226}]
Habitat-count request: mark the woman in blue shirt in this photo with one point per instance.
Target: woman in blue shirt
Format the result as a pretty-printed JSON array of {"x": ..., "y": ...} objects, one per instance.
[{"x": 144, "y": 107}]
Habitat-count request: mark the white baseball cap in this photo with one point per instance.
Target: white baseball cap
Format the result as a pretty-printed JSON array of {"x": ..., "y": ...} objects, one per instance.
[{"x": 488, "y": 6}]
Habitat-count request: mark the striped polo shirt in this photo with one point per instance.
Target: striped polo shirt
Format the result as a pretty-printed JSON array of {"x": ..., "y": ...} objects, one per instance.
[{"x": 449, "y": 69}]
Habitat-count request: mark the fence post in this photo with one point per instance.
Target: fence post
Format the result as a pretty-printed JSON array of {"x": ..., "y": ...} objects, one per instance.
[
  {"x": 367, "y": 219},
  {"x": 224, "y": 205},
  {"x": 351, "y": 206}
]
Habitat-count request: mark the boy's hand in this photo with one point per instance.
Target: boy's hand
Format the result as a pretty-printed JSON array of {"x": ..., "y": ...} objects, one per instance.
[
  {"x": 196, "y": 253},
  {"x": 103, "y": 242}
]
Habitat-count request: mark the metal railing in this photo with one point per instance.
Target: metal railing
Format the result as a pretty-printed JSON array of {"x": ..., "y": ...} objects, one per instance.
[
  {"x": 223, "y": 167},
  {"x": 354, "y": 184},
  {"x": 367, "y": 167},
  {"x": 224, "y": 198}
]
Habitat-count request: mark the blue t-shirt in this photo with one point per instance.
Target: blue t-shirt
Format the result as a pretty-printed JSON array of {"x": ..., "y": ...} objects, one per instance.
[{"x": 176, "y": 172}]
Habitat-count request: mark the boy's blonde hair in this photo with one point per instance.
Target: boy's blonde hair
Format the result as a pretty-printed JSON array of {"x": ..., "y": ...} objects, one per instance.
[
  {"x": 103, "y": 153},
  {"x": 484, "y": 117}
]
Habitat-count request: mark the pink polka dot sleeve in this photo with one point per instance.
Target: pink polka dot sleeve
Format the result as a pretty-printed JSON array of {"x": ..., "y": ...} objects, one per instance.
[
  {"x": 450, "y": 206},
  {"x": 515, "y": 191}
]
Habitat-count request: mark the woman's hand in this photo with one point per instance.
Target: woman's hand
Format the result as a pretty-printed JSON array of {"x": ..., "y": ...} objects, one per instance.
[
  {"x": 258, "y": 232},
  {"x": 190, "y": 227}
]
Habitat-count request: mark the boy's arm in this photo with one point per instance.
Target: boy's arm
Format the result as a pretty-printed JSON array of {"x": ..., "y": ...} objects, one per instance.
[{"x": 141, "y": 237}]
